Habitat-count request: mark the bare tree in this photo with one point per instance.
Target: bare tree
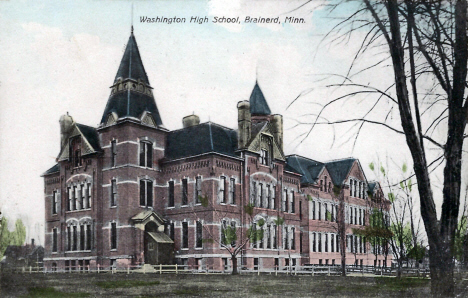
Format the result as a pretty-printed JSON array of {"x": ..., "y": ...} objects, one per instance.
[{"x": 427, "y": 48}]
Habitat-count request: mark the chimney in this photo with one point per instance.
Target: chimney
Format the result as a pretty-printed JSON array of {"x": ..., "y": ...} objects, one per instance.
[
  {"x": 277, "y": 129},
  {"x": 190, "y": 120},
  {"x": 244, "y": 121},
  {"x": 66, "y": 124},
  {"x": 32, "y": 242}
]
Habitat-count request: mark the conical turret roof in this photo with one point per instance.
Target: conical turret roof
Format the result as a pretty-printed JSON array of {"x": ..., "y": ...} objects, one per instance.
[
  {"x": 131, "y": 94},
  {"x": 258, "y": 103},
  {"x": 131, "y": 66}
]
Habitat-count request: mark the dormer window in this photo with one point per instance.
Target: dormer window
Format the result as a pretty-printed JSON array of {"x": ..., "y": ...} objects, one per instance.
[
  {"x": 75, "y": 151},
  {"x": 264, "y": 157},
  {"x": 266, "y": 151}
]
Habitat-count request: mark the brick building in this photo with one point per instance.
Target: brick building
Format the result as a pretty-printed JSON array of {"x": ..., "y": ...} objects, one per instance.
[{"x": 128, "y": 192}]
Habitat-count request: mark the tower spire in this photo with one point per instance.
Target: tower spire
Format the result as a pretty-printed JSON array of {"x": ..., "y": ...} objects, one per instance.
[{"x": 131, "y": 19}]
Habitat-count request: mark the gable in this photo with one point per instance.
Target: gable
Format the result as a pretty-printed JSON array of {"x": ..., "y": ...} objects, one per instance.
[
  {"x": 259, "y": 141},
  {"x": 89, "y": 141}
]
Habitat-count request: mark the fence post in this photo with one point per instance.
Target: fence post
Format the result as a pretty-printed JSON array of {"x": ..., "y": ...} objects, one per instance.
[
  {"x": 328, "y": 270},
  {"x": 276, "y": 270},
  {"x": 160, "y": 268},
  {"x": 30, "y": 269},
  {"x": 313, "y": 273},
  {"x": 128, "y": 269},
  {"x": 176, "y": 269},
  {"x": 98, "y": 268}
]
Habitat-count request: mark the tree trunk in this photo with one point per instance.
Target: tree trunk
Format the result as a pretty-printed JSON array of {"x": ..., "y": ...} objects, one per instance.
[{"x": 234, "y": 265}]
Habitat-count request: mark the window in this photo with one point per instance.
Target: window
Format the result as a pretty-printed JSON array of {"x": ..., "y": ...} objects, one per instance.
[
  {"x": 321, "y": 185},
  {"x": 75, "y": 238},
  {"x": 75, "y": 151},
  {"x": 332, "y": 243},
  {"x": 329, "y": 187},
  {"x": 54, "y": 202},
  {"x": 82, "y": 237},
  {"x": 254, "y": 234},
  {"x": 88, "y": 237},
  {"x": 69, "y": 238},
  {"x": 326, "y": 184},
  {"x": 146, "y": 193},
  {"x": 319, "y": 211},
  {"x": 113, "y": 193},
  {"x": 268, "y": 236},
  {"x": 360, "y": 189},
  {"x": 273, "y": 196},
  {"x": 223, "y": 231},
  {"x": 222, "y": 185},
  {"x": 172, "y": 231},
  {"x": 232, "y": 191},
  {"x": 113, "y": 153},
  {"x": 337, "y": 243},
  {"x": 261, "y": 195},
  {"x": 300, "y": 241},
  {"x": 262, "y": 234},
  {"x": 314, "y": 242},
  {"x": 233, "y": 227},
  {"x": 198, "y": 191},
  {"x": 332, "y": 213},
  {"x": 70, "y": 198},
  {"x": 291, "y": 199},
  {"x": 171, "y": 194},
  {"x": 78, "y": 197},
  {"x": 355, "y": 188},
  {"x": 264, "y": 157},
  {"x": 184, "y": 192},
  {"x": 325, "y": 206},
  {"x": 146, "y": 154},
  {"x": 350, "y": 187},
  {"x": 285, "y": 203},
  {"x": 83, "y": 196},
  {"x": 113, "y": 235},
  {"x": 313, "y": 210},
  {"x": 199, "y": 227},
  {"x": 54, "y": 240},
  {"x": 293, "y": 238},
  {"x": 275, "y": 241},
  {"x": 74, "y": 198},
  {"x": 355, "y": 216},
  {"x": 285, "y": 238},
  {"x": 319, "y": 236},
  {"x": 326, "y": 242},
  {"x": 185, "y": 235},
  {"x": 88, "y": 196}
]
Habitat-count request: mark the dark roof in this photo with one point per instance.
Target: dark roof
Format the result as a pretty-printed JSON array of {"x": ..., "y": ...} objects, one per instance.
[
  {"x": 131, "y": 66},
  {"x": 371, "y": 185},
  {"x": 199, "y": 139},
  {"x": 258, "y": 104},
  {"x": 54, "y": 169},
  {"x": 309, "y": 168},
  {"x": 339, "y": 169},
  {"x": 131, "y": 104},
  {"x": 91, "y": 135}
]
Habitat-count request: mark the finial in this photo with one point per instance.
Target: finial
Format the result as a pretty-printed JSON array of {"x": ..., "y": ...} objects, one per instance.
[
  {"x": 256, "y": 73},
  {"x": 132, "y": 29},
  {"x": 131, "y": 20}
]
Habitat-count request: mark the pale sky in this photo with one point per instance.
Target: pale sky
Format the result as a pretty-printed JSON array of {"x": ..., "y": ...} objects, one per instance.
[{"x": 60, "y": 56}]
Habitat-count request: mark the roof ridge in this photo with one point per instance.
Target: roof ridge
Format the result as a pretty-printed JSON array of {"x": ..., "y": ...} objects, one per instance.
[{"x": 340, "y": 159}]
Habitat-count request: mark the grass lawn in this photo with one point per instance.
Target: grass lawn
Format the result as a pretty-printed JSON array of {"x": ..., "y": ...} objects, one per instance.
[{"x": 200, "y": 285}]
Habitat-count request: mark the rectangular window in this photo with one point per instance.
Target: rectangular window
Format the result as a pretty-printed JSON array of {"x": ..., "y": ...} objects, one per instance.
[
  {"x": 184, "y": 192},
  {"x": 198, "y": 191},
  {"x": 88, "y": 237},
  {"x": 285, "y": 238},
  {"x": 293, "y": 238},
  {"x": 82, "y": 237},
  {"x": 313, "y": 210},
  {"x": 54, "y": 202},
  {"x": 350, "y": 187},
  {"x": 222, "y": 185},
  {"x": 78, "y": 197},
  {"x": 113, "y": 235},
  {"x": 254, "y": 234},
  {"x": 300, "y": 241},
  {"x": 285, "y": 203},
  {"x": 325, "y": 207},
  {"x": 253, "y": 193},
  {"x": 171, "y": 194},
  {"x": 314, "y": 242},
  {"x": 332, "y": 243},
  {"x": 185, "y": 235},
  {"x": 233, "y": 227},
  {"x": 355, "y": 188},
  {"x": 326, "y": 242},
  {"x": 275, "y": 241},
  {"x": 146, "y": 193},
  {"x": 69, "y": 238},
  {"x": 337, "y": 243},
  {"x": 319, "y": 211},
  {"x": 88, "y": 195},
  {"x": 84, "y": 201},
  {"x": 273, "y": 196},
  {"x": 319, "y": 236},
  {"x": 70, "y": 198},
  {"x": 332, "y": 213},
  {"x": 321, "y": 185},
  {"x": 54, "y": 240},
  {"x": 262, "y": 234},
  {"x": 113, "y": 201},
  {"x": 171, "y": 232},
  {"x": 113, "y": 153},
  {"x": 293, "y": 202},
  {"x": 232, "y": 191},
  {"x": 75, "y": 238},
  {"x": 355, "y": 216},
  {"x": 268, "y": 230},
  {"x": 223, "y": 232},
  {"x": 261, "y": 195},
  {"x": 75, "y": 197},
  {"x": 199, "y": 235},
  {"x": 146, "y": 154},
  {"x": 268, "y": 196}
]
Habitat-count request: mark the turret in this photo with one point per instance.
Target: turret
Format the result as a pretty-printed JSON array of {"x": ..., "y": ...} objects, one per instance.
[{"x": 244, "y": 123}]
